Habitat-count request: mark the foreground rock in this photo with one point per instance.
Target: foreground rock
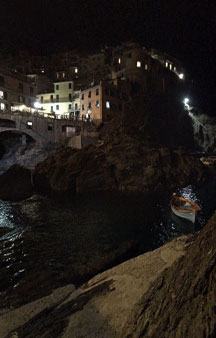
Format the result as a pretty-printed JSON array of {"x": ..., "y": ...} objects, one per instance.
[
  {"x": 166, "y": 293},
  {"x": 100, "y": 308},
  {"x": 15, "y": 184}
]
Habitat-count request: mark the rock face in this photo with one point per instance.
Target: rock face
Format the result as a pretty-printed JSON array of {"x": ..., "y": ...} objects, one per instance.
[
  {"x": 125, "y": 166},
  {"x": 15, "y": 184},
  {"x": 145, "y": 149},
  {"x": 167, "y": 293}
]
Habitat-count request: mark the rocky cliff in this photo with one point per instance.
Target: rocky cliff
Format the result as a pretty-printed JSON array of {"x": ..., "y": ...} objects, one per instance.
[{"x": 145, "y": 149}]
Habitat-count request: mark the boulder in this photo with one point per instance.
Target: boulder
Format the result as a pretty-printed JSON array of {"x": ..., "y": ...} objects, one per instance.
[{"x": 15, "y": 184}]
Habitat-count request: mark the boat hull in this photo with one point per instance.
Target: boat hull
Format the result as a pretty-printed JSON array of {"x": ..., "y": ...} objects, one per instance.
[{"x": 190, "y": 216}]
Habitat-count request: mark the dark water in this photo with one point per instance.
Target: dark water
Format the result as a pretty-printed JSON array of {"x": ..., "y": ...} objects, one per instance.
[{"x": 52, "y": 243}]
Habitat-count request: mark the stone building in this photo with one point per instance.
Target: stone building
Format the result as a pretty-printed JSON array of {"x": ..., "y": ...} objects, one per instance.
[{"x": 16, "y": 91}]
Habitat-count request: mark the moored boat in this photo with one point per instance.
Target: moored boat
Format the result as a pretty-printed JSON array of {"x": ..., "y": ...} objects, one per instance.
[{"x": 184, "y": 208}]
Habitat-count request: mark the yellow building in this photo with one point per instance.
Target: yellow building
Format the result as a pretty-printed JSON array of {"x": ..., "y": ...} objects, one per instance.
[{"x": 62, "y": 101}]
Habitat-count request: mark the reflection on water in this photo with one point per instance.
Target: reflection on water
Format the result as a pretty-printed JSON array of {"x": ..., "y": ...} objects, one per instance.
[{"x": 51, "y": 243}]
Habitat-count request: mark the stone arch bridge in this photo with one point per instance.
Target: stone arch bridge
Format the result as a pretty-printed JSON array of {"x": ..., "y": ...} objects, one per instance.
[{"x": 44, "y": 130}]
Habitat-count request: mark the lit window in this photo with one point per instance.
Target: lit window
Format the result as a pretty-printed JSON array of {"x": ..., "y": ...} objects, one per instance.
[
  {"x": 138, "y": 64},
  {"x": 174, "y": 69},
  {"x": 1, "y": 94},
  {"x": 170, "y": 66},
  {"x": 167, "y": 64},
  {"x": 57, "y": 75},
  {"x": 2, "y": 106},
  {"x": 119, "y": 60},
  {"x": 29, "y": 125},
  {"x": 107, "y": 104},
  {"x": 146, "y": 66},
  {"x": 76, "y": 70},
  {"x": 63, "y": 74}
]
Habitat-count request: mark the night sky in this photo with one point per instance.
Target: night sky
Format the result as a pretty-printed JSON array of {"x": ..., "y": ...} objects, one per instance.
[{"x": 184, "y": 29}]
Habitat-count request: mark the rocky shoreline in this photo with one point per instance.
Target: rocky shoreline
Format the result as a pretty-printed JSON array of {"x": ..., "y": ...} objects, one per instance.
[
  {"x": 165, "y": 293},
  {"x": 104, "y": 305}
]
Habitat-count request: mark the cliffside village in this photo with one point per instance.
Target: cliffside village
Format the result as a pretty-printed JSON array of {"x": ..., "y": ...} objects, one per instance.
[{"x": 82, "y": 85}]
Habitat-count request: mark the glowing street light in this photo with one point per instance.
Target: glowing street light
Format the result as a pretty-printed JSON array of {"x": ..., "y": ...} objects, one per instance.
[
  {"x": 186, "y": 100},
  {"x": 37, "y": 105},
  {"x": 181, "y": 76}
]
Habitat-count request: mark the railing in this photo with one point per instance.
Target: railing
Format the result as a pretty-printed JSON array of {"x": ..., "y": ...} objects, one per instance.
[{"x": 55, "y": 100}]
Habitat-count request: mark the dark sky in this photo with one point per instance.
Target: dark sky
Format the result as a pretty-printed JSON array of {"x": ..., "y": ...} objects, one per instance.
[{"x": 185, "y": 29}]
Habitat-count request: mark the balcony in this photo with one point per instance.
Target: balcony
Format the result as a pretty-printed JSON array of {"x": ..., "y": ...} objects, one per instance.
[{"x": 54, "y": 100}]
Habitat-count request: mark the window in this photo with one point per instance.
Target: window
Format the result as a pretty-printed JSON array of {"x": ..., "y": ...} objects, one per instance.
[
  {"x": 107, "y": 104},
  {"x": 20, "y": 87},
  {"x": 89, "y": 105},
  {"x": 51, "y": 98},
  {"x": 5, "y": 95},
  {"x": 69, "y": 106},
  {"x": 170, "y": 66},
  {"x": 76, "y": 106},
  {"x": 29, "y": 125},
  {"x": 63, "y": 74},
  {"x": 1, "y": 94},
  {"x": 97, "y": 91},
  {"x": 41, "y": 99},
  {"x": 76, "y": 70},
  {"x": 50, "y": 127},
  {"x": 57, "y": 98},
  {"x": 70, "y": 85},
  {"x": 51, "y": 108},
  {"x": 83, "y": 108},
  {"x": 174, "y": 69},
  {"x": 119, "y": 60},
  {"x": 57, "y": 107},
  {"x": 146, "y": 66},
  {"x": 70, "y": 97},
  {"x": 97, "y": 104},
  {"x": 57, "y": 87},
  {"x": 167, "y": 64},
  {"x": 57, "y": 75},
  {"x": 31, "y": 91},
  {"x": 138, "y": 64},
  {"x": 82, "y": 96},
  {"x": 21, "y": 99},
  {"x": 1, "y": 79},
  {"x": 2, "y": 106},
  {"x": 89, "y": 94}
]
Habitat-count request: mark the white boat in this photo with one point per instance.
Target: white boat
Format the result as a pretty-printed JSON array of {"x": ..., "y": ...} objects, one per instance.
[{"x": 184, "y": 208}]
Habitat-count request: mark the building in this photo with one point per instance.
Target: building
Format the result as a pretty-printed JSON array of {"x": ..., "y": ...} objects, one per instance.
[
  {"x": 16, "y": 92},
  {"x": 104, "y": 101},
  {"x": 59, "y": 101}
]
